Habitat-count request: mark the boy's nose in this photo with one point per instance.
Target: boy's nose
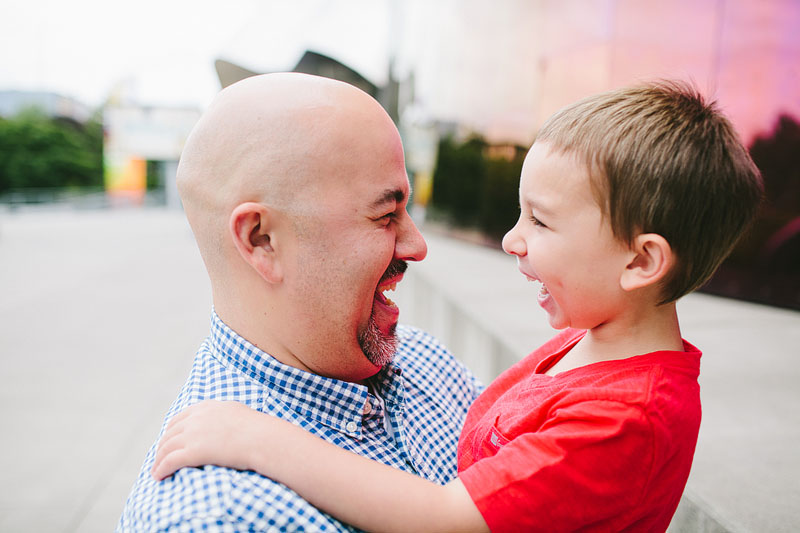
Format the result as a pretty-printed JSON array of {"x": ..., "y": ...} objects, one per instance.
[{"x": 513, "y": 244}]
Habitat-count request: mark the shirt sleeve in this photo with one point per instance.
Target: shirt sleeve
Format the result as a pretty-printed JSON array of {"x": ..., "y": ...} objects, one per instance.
[
  {"x": 588, "y": 463},
  {"x": 218, "y": 499}
]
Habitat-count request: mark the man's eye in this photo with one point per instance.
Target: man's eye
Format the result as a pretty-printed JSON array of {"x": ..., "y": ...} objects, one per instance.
[{"x": 385, "y": 219}]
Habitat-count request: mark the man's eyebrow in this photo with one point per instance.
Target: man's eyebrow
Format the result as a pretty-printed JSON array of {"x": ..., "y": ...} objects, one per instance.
[{"x": 388, "y": 196}]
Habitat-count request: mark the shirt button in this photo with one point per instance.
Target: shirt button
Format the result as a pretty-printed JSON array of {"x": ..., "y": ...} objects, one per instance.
[
  {"x": 367, "y": 407},
  {"x": 351, "y": 427}
]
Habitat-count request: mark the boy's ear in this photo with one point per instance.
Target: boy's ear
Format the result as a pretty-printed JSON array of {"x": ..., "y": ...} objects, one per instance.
[
  {"x": 652, "y": 260},
  {"x": 254, "y": 238}
]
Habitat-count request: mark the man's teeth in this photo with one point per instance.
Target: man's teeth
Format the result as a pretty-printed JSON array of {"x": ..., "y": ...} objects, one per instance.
[{"x": 385, "y": 288}]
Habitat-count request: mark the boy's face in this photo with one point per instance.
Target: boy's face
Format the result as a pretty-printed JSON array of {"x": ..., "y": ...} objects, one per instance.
[{"x": 563, "y": 241}]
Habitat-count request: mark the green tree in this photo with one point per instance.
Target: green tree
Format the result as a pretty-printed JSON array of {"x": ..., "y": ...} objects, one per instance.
[
  {"x": 39, "y": 151},
  {"x": 475, "y": 189},
  {"x": 458, "y": 179},
  {"x": 500, "y": 199}
]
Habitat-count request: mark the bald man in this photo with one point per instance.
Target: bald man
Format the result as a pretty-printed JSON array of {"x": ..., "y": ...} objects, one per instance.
[{"x": 296, "y": 191}]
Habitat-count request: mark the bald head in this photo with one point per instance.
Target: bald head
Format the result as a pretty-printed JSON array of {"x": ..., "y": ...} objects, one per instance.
[
  {"x": 296, "y": 189},
  {"x": 270, "y": 139}
]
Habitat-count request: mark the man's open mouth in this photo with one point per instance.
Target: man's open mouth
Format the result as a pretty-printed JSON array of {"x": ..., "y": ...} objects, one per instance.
[
  {"x": 385, "y": 312},
  {"x": 381, "y": 297},
  {"x": 389, "y": 280}
]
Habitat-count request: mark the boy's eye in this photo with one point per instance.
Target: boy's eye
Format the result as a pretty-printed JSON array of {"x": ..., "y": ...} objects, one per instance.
[{"x": 536, "y": 221}]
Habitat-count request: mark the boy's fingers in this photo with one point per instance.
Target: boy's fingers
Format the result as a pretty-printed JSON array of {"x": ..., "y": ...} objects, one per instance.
[
  {"x": 175, "y": 427},
  {"x": 181, "y": 415},
  {"x": 171, "y": 452},
  {"x": 169, "y": 464},
  {"x": 202, "y": 408},
  {"x": 169, "y": 444}
]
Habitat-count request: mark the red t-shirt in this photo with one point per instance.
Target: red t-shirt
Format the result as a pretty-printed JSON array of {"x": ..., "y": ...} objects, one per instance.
[{"x": 604, "y": 447}]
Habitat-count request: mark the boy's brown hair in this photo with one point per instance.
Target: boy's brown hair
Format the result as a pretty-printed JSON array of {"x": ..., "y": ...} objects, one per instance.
[{"x": 664, "y": 161}]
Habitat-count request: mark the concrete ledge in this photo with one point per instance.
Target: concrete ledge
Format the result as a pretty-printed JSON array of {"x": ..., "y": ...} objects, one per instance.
[{"x": 694, "y": 515}]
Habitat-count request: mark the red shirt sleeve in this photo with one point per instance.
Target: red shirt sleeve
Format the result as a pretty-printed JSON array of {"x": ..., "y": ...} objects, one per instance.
[{"x": 588, "y": 464}]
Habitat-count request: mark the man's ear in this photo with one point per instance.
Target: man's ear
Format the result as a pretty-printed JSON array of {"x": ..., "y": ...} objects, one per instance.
[
  {"x": 652, "y": 260},
  {"x": 254, "y": 238}
]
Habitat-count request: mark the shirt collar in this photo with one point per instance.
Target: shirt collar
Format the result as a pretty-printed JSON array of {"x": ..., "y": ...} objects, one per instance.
[{"x": 335, "y": 403}]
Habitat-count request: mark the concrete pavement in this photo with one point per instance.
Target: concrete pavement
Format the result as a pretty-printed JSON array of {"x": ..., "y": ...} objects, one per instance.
[{"x": 102, "y": 312}]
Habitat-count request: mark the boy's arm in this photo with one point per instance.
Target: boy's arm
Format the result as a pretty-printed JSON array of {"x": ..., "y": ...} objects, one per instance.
[{"x": 357, "y": 490}]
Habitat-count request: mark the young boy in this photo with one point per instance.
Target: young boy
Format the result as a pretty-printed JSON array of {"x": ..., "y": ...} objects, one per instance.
[{"x": 629, "y": 200}]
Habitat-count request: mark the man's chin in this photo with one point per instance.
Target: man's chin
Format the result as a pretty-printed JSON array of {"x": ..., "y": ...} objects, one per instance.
[{"x": 378, "y": 347}]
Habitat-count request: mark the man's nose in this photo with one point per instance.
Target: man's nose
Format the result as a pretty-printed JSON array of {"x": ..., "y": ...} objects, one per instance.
[{"x": 410, "y": 244}]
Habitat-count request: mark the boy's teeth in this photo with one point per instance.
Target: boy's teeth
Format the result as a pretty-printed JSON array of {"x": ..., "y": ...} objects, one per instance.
[{"x": 543, "y": 290}]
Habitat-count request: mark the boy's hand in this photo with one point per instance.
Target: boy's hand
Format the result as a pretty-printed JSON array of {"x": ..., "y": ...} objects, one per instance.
[{"x": 210, "y": 432}]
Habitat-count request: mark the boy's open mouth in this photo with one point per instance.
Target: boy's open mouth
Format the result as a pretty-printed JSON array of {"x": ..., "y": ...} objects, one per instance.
[
  {"x": 543, "y": 292},
  {"x": 542, "y": 289}
]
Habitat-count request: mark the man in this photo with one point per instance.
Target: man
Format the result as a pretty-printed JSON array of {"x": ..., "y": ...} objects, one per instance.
[{"x": 296, "y": 191}]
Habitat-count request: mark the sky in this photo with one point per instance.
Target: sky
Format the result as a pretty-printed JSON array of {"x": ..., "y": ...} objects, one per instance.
[{"x": 162, "y": 52}]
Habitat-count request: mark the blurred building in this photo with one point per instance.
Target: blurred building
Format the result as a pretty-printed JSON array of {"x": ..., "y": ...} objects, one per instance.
[
  {"x": 51, "y": 104},
  {"x": 142, "y": 148},
  {"x": 503, "y": 67},
  {"x": 319, "y": 64}
]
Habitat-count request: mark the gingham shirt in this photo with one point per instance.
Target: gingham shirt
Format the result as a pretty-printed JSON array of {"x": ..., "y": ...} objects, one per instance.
[{"x": 424, "y": 395}]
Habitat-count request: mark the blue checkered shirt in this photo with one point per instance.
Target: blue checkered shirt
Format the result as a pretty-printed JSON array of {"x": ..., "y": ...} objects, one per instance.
[{"x": 424, "y": 394}]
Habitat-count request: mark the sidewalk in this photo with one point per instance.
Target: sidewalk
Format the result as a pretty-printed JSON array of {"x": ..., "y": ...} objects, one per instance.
[{"x": 102, "y": 312}]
